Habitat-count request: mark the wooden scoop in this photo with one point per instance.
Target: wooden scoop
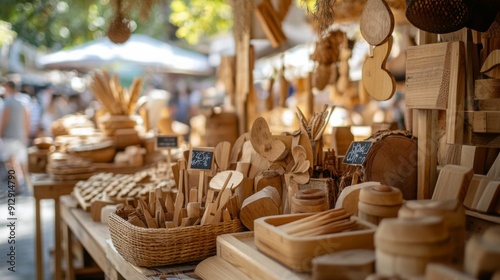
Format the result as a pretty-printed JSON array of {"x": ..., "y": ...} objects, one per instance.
[
  {"x": 221, "y": 154},
  {"x": 219, "y": 180},
  {"x": 211, "y": 207}
]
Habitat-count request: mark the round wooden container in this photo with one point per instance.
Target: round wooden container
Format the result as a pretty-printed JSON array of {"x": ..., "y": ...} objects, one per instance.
[
  {"x": 404, "y": 246},
  {"x": 309, "y": 201},
  {"x": 378, "y": 202},
  {"x": 345, "y": 264},
  {"x": 392, "y": 160},
  {"x": 453, "y": 214}
]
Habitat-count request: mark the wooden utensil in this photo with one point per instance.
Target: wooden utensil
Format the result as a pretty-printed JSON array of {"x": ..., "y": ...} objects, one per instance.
[
  {"x": 218, "y": 181},
  {"x": 211, "y": 207},
  {"x": 221, "y": 154},
  {"x": 264, "y": 143},
  {"x": 377, "y": 22},
  {"x": 179, "y": 201},
  {"x": 378, "y": 81}
]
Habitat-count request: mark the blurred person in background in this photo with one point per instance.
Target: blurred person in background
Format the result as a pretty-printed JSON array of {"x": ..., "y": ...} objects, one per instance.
[{"x": 14, "y": 132}]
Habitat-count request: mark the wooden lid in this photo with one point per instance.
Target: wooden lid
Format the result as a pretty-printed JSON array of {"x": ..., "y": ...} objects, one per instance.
[
  {"x": 412, "y": 230},
  {"x": 452, "y": 211},
  {"x": 381, "y": 195}
]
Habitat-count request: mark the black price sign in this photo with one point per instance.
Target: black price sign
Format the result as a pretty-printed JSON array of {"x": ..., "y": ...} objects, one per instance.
[
  {"x": 167, "y": 141},
  {"x": 201, "y": 158},
  {"x": 357, "y": 152}
]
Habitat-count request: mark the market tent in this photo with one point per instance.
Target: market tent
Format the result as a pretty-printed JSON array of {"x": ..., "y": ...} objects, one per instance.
[{"x": 139, "y": 50}]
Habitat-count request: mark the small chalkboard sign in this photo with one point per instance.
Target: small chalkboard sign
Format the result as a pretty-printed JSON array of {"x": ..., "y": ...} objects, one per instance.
[
  {"x": 201, "y": 158},
  {"x": 167, "y": 141},
  {"x": 357, "y": 152}
]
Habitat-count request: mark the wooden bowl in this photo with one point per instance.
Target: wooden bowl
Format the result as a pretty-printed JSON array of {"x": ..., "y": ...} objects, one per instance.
[
  {"x": 98, "y": 152},
  {"x": 43, "y": 143}
]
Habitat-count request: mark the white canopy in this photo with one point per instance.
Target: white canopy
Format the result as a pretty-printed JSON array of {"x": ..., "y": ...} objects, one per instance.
[{"x": 139, "y": 50}]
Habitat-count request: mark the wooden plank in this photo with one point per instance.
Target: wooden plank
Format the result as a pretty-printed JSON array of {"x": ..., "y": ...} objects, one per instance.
[
  {"x": 487, "y": 89},
  {"x": 429, "y": 73},
  {"x": 471, "y": 67},
  {"x": 270, "y": 23},
  {"x": 456, "y": 96},
  {"x": 490, "y": 140},
  {"x": 474, "y": 157},
  {"x": 217, "y": 268},
  {"x": 427, "y": 151},
  {"x": 486, "y": 122},
  {"x": 489, "y": 198},
  {"x": 489, "y": 104}
]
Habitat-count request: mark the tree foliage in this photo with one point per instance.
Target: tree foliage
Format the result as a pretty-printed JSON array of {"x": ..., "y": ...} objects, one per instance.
[
  {"x": 195, "y": 18},
  {"x": 56, "y": 24}
]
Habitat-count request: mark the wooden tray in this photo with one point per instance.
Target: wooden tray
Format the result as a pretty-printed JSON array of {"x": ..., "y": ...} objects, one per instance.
[
  {"x": 298, "y": 252},
  {"x": 240, "y": 251}
]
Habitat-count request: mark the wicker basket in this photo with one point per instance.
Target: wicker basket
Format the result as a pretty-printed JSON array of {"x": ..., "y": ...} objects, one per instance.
[{"x": 148, "y": 247}]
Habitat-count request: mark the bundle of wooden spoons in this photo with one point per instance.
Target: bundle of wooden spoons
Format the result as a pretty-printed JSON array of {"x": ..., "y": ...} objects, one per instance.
[{"x": 326, "y": 222}]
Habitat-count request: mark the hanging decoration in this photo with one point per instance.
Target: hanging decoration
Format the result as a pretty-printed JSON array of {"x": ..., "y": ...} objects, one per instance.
[{"x": 119, "y": 29}]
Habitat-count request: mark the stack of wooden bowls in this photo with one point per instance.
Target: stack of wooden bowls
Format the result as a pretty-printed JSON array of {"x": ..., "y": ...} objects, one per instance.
[
  {"x": 309, "y": 201},
  {"x": 404, "y": 246},
  {"x": 379, "y": 202},
  {"x": 453, "y": 214}
]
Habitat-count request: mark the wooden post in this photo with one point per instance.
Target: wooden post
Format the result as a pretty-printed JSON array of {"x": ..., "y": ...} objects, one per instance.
[
  {"x": 242, "y": 11},
  {"x": 427, "y": 130}
]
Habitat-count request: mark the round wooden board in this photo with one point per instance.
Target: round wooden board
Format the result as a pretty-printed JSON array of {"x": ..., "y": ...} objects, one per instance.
[
  {"x": 377, "y": 22},
  {"x": 392, "y": 161},
  {"x": 379, "y": 210}
]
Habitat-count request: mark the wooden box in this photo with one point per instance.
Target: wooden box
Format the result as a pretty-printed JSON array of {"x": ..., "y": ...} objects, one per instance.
[{"x": 298, "y": 252}]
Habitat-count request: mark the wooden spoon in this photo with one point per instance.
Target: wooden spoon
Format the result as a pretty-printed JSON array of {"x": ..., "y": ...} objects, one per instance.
[{"x": 219, "y": 180}]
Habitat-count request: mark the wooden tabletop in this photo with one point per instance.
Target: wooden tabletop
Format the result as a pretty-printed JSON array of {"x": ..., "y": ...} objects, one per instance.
[{"x": 96, "y": 239}]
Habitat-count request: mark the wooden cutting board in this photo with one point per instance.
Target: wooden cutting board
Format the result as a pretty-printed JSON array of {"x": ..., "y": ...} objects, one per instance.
[
  {"x": 429, "y": 74},
  {"x": 378, "y": 81}
]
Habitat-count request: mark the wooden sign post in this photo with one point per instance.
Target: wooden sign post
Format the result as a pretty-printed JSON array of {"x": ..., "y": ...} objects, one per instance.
[
  {"x": 167, "y": 142},
  {"x": 201, "y": 159}
]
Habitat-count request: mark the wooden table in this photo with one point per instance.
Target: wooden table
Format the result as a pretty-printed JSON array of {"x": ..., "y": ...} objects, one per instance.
[
  {"x": 43, "y": 187},
  {"x": 96, "y": 239}
]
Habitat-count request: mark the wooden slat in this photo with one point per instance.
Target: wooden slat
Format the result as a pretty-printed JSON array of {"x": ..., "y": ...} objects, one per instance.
[
  {"x": 487, "y": 89},
  {"x": 217, "y": 268},
  {"x": 269, "y": 21},
  {"x": 491, "y": 140},
  {"x": 489, "y": 104},
  {"x": 473, "y": 157},
  {"x": 427, "y": 151},
  {"x": 486, "y": 122},
  {"x": 456, "y": 96}
]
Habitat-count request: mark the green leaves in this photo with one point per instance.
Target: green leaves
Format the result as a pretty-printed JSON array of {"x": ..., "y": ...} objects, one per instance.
[{"x": 196, "y": 18}]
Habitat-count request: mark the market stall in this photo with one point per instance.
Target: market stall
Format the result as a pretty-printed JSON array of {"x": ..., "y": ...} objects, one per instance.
[{"x": 283, "y": 193}]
